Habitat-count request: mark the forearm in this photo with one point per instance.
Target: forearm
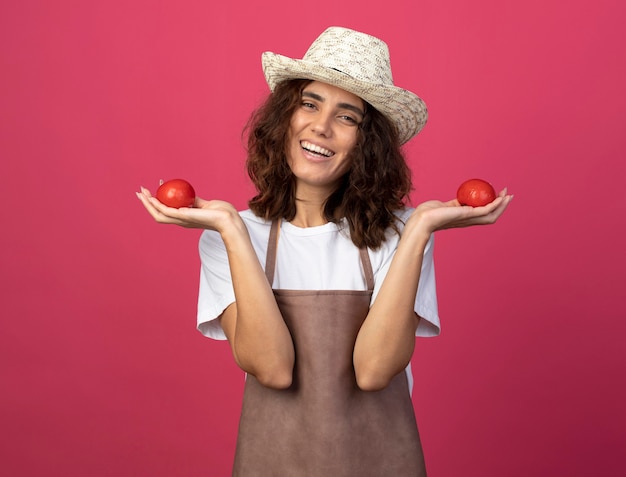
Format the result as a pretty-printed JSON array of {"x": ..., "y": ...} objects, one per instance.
[
  {"x": 259, "y": 337},
  {"x": 386, "y": 340}
]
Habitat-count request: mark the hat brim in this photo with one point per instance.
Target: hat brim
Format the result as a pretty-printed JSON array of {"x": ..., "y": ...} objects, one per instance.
[{"x": 404, "y": 108}]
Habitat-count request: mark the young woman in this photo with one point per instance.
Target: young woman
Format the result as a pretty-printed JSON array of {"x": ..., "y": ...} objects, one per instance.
[{"x": 323, "y": 284}]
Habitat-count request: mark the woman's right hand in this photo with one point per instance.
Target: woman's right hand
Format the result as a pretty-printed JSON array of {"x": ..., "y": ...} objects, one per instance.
[
  {"x": 259, "y": 338},
  {"x": 205, "y": 214}
]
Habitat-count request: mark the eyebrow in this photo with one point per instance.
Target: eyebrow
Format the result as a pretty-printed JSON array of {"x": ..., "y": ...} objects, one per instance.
[{"x": 348, "y": 106}]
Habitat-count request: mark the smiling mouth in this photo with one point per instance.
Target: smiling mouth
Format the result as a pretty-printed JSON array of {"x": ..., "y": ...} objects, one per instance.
[{"x": 317, "y": 150}]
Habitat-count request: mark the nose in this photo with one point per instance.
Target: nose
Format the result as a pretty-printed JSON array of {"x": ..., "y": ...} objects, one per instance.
[{"x": 321, "y": 124}]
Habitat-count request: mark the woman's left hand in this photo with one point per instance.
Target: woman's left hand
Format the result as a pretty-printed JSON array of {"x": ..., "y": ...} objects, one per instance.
[{"x": 436, "y": 215}]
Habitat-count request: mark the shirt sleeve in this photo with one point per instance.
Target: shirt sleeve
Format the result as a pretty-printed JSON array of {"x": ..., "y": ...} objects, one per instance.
[
  {"x": 426, "y": 299},
  {"x": 215, "y": 289}
]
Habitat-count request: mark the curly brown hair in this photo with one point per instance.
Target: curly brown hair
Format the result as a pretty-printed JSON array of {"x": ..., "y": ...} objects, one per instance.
[{"x": 377, "y": 184}]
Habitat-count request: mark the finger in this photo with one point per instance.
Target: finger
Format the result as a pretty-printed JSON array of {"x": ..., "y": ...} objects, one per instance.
[
  {"x": 487, "y": 208},
  {"x": 494, "y": 215},
  {"x": 483, "y": 215},
  {"x": 161, "y": 207},
  {"x": 146, "y": 201},
  {"x": 199, "y": 202},
  {"x": 184, "y": 216},
  {"x": 144, "y": 197},
  {"x": 452, "y": 203},
  {"x": 147, "y": 204},
  {"x": 145, "y": 191},
  {"x": 159, "y": 212}
]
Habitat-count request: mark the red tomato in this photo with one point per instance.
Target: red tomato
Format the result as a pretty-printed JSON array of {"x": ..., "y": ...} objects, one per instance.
[
  {"x": 475, "y": 193},
  {"x": 176, "y": 193}
]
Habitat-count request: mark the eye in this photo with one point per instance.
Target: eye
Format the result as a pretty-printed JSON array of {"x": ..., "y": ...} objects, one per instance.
[
  {"x": 307, "y": 105},
  {"x": 348, "y": 119}
]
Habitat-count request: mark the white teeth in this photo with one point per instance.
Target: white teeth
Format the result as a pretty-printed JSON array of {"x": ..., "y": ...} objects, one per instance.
[{"x": 316, "y": 149}]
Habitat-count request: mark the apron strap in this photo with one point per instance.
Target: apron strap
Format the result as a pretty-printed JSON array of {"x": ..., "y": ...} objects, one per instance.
[
  {"x": 270, "y": 258},
  {"x": 367, "y": 268}
]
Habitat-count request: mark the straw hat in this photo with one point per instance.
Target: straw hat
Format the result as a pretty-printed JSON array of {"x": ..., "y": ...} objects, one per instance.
[{"x": 358, "y": 63}]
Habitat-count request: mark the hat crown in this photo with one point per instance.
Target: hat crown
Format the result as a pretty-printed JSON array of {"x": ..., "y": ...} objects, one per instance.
[{"x": 358, "y": 55}]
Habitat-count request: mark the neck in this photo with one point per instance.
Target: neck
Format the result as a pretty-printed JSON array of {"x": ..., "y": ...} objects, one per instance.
[
  {"x": 309, "y": 213},
  {"x": 310, "y": 205}
]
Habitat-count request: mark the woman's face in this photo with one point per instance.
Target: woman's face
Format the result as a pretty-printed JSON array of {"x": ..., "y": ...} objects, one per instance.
[{"x": 322, "y": 132}]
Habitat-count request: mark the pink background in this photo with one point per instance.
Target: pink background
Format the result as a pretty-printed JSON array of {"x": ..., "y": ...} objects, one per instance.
[{"x": 103, "y": 372}]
